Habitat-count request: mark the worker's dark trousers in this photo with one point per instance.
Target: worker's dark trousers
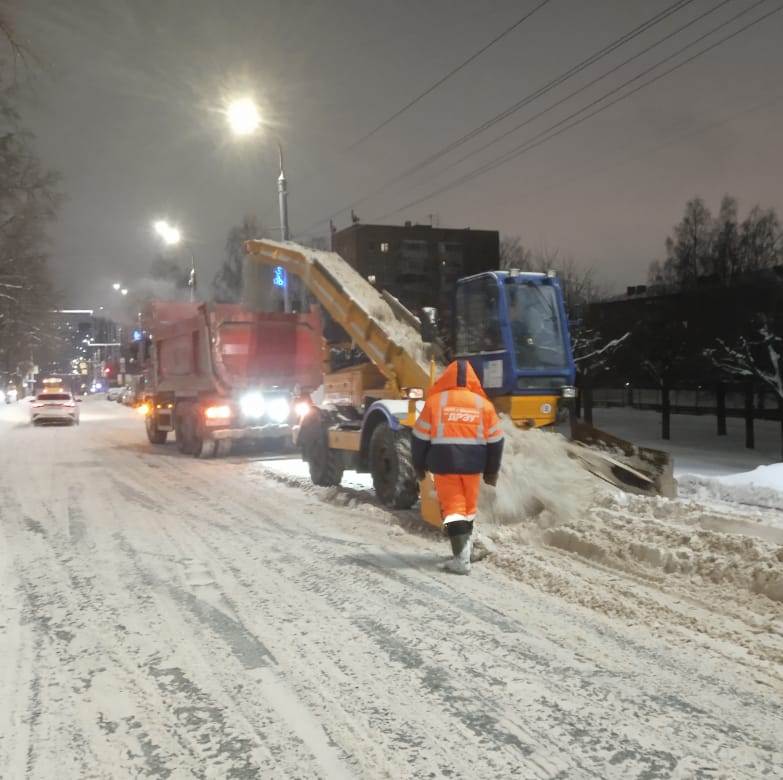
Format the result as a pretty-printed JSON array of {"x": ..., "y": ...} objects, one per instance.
[{"x": 459, "y": 532}]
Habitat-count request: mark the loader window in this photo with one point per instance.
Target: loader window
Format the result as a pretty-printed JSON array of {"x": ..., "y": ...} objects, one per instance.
[
  {"x": 536, "y": 327},
  {"x": 478, "y": 317}
]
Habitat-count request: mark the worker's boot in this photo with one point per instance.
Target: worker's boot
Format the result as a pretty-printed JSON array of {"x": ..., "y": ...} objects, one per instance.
[{"x": 460, "y": 537}]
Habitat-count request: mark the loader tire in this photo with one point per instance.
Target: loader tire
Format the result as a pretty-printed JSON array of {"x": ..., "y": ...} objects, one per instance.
[
  {"x": 326, "y": 467},
  {"x": 153, "y": 434},
  {"x": 391, "y": 466}
]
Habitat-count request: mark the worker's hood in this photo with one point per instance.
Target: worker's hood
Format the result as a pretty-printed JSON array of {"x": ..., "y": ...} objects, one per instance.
[{"x": 458, "y": 374}]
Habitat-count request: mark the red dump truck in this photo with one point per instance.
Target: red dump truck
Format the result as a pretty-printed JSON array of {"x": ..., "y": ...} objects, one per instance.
[{"x": 218, "y": 373}]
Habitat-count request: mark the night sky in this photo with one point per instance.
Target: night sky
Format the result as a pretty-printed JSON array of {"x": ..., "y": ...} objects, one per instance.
[{"x": 127, "y": 95}]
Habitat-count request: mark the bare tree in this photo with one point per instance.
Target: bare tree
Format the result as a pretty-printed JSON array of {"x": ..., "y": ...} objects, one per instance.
[
  {"x": 719, "y": 250},
  {"x": 592, "y": 355},
  {"x": 28, "y": 203},
  {"x": 757, "y": 357},
  {"x": 227, "y": 284},
  {"x": 513, "y": 254},
  {"x": 592, "y": 352},
  {"x": 580, "y": 285}
]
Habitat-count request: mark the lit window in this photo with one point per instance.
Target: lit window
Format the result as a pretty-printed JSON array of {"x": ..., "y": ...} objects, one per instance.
[{"x": 384, "y": 246}]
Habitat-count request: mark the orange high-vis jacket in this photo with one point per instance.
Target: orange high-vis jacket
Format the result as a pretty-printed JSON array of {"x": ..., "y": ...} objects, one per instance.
[{"x": 458, "y": 430}]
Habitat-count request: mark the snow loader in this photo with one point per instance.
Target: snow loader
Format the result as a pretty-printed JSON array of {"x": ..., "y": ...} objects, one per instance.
[{"x": 512, "y": 327}]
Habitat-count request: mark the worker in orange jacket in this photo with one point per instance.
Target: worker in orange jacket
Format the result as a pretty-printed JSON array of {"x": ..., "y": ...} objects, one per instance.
[{"x": 458, "y": 438}]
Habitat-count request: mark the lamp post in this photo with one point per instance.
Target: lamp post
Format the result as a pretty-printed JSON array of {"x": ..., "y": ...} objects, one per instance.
[{"x": 244, "y": 119}]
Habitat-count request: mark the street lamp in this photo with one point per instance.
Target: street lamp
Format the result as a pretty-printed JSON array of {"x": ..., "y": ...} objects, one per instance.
[
  {"x": 244, "y": 119},
  {"x": 116, "y": 285},
  {"x": 172, "y": 236},
  {"x": 243, "y": 116},
  {"x": 124, "y": 291}
]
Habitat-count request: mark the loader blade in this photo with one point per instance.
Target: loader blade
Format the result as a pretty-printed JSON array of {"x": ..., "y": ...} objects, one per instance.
[{"x": 640, "y": 470}]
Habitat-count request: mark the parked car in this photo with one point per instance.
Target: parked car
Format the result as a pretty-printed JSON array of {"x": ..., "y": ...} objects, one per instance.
[
  {"x": 54, "y": 407},
  {"x": 126, "y": 396},
  {"x": 11, "y": 395},
  {"x": 113, "y": 393}
]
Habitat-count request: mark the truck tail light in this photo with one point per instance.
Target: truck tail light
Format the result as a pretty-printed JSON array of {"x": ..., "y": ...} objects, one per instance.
[{"x": 222, "y": 412}]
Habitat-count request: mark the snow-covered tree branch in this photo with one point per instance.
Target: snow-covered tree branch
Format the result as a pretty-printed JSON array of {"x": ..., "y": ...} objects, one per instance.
[
  {"x": 757, "y": 357},
  {"x": 591, "y": 352}
]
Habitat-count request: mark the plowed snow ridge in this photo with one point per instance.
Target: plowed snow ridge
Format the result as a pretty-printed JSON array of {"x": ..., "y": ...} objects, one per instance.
[{"x": 545, "y": 497}]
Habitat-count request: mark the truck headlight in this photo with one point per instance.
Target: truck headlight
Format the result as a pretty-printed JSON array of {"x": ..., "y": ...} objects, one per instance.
[
  {"x": 568, "y": 391},
  {"x": 278, "y": 410},
  {"x": 252, "y": 404}
]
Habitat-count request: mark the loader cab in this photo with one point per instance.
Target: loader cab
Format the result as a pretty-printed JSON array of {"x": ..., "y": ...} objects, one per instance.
[{"x": 513, "y": 328}]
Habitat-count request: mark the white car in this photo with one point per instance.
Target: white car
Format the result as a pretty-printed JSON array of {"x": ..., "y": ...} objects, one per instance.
[
  {"x": 11, "y": 395},
  {"x": 54, "y": 407},
  {"x": 113, "y": 393}
]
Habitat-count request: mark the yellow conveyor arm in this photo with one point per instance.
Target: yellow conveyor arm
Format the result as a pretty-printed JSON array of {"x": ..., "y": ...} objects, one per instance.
[{"x": 385, "y": 332}]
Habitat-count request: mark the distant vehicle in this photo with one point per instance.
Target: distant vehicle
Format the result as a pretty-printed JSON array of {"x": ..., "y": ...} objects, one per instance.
[
  {"x": 127, "y": 396},
  {"x": 218, "y": 373},
  {"x": 54, "y": 407},
  {"x": 113, "y": 393},
  {"x": 11, "y": 395}
]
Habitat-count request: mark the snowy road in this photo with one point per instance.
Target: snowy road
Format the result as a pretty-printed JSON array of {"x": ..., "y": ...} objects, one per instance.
[{"x": 162, "y": 616}]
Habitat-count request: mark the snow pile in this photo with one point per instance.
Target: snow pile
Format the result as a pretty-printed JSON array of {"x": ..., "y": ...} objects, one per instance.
[
  {"x": 370, "y": 300},
  {"x": 538, "y": 480},
  {"x": 763, "y": 477},
  {"x": 546, "y": 498},
  {"x": 706, "y": 489},
  {"x": 762, "y": 487}
]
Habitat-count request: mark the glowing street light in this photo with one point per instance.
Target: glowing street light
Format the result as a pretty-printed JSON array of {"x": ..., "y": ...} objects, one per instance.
[
  {"x": 243, "y": 116},
  {"x": 116, "y": 285},
  {"x": 124, "y": 291},
  {"x": 170, "y": 235}
]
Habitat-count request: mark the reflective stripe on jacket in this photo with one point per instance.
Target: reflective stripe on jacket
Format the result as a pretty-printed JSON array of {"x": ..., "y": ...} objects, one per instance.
[{"x": 458, "y": 430}]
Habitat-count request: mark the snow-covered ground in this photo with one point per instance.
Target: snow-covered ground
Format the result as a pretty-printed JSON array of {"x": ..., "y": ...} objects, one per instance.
[
  {"x": 165, "y": 616},
  {"x": 696, "y": 447},
  {"x": 718, "y": 472}
]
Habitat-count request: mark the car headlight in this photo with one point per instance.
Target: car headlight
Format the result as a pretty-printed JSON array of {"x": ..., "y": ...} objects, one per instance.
[
  {"x": 568, "y": 391},
  {"x": 278, "y": 410},
  {"x": 252, "y": 404}
]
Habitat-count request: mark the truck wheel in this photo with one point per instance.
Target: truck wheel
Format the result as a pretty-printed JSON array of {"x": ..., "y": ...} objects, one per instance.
[
  {"x": 326, "y": 467},
  {"x": 153, "y": 434},
  {"x": 205, "y": 448},
  {"x": 391, "y": 466},
  {"x": 223, "y": 449},
  {"x": 186, "y": 432}
]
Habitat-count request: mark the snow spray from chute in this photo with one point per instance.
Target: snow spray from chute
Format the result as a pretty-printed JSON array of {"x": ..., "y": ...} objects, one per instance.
[{"x": 538, "y": 479}]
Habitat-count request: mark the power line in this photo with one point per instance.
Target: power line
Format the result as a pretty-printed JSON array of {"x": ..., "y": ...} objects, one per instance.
[
  {"x": 556, "y": 82},
  {"x": 548, "y": 87},
  {"x": 658, "y": 147},
  {"x": 552, "y": 132},
  {"x": 451, "y": 73},
  {"x": 606, "y": 74}
]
